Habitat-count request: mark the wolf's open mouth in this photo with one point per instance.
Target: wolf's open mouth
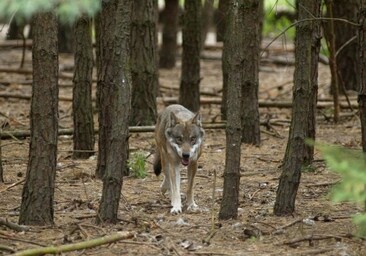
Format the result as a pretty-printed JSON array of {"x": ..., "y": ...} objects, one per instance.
[{"x": 185, "y": 161}]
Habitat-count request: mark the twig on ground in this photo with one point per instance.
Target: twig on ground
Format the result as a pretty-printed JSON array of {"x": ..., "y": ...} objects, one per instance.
[
  {"x": 13, "y": 225},
  {"x": 8, "y": 237},
  {"x": 6, "y": 248},
  {"x": 323, "y": 184},
  {"x": 77, "y": 246},
  {"x": 312, "y": 238},
  {"x": 12, "y": 185}
]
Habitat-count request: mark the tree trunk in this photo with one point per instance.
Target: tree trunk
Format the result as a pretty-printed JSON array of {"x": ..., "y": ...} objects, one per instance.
[
  {"x": 250, "y": 46},
  {"x": 38, "y": 191},
  {"x": 347, "y": 58},
  {"x": 97, "y": 31},
  {"x": 65, "y": 38},
  {"x": 207, "y": 19},
  {"x": 307, "y": 43},
  {"x": 362, "y": 55},
  {"x": 144, "y": 62},
  {"x": 15, "y": 30},
  {"x": 221, "y": 19},
  {"x": 115, "y": 104},
  {"x": 233, "y": 39},
  {"x": 105, "y": 46},
  {"x": 168, "y": 50},
  {"x": 1, "y": 163},
  {"x": 189, "y": 90},
  {"x": 83, "y": 138}
]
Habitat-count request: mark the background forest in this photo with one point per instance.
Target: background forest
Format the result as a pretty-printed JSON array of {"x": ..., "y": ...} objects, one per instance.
[{"x": 82, "y": 83}]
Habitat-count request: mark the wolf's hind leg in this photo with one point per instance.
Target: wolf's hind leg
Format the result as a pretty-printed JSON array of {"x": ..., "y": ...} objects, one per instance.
[{"x": 165, "y": 185}]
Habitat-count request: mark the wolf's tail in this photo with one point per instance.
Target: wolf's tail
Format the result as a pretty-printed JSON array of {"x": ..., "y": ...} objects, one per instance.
[{"x": 157, "y": 163}]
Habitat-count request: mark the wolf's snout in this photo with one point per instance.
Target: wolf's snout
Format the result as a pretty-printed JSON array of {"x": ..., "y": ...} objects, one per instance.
[
  {"x": 185, "y": 159},
  {"x": 185, "y": 155}
]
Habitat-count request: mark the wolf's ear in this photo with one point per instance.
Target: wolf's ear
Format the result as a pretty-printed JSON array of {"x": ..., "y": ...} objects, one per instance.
[
  {"x": 197, "y": 120},
  {"x": 173, "y": 119}
]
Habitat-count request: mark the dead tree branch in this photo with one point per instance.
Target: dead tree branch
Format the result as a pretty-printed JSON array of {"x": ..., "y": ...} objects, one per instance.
[{"x": 76, "y": 246}]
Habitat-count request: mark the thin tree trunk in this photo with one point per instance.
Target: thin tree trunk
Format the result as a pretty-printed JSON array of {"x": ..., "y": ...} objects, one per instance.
[
  {"x": 207, "y": 19},
  {"x": 221, "y": 20},
  {"x": 307, "y": 44},
  {"x": 83, "y": 138},
  {"x": 105, "y": 46},
  {"x": 346, "y": 54},
  {"x": 1, "y": 163},
  {"x": 38, "y": 191},
  {"x": 144, "y": 62},
  {"x": 250, "y": 45},
  {"x": 362, "y": 89},
  {"x": 115, "y": 105},
  {"x": 65, "y": 38},
  {"x": 230, "y": 199},
  {"x": 170, "y": 29},
  {"x": 332, "y": 60},
  {"x": 189, "y": 90}
]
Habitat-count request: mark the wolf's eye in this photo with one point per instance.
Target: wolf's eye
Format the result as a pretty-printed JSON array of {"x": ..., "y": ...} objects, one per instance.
[
  {"x": 193, "y": 140},
  {"x": 179, "y": 140}
]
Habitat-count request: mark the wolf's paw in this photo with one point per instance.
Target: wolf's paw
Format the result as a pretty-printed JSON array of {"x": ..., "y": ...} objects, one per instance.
[
  {"x": 176, "y": 210},
  {"x": 193, "y": 207}
]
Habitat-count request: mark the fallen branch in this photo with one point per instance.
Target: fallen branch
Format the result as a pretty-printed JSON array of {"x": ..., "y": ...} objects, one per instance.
[
  {"x": 312, "y": 238},
  {"x": 132, "y": 129},
  {"x": 207, "y": 100},
  {"x": 7, "y": 95},
  {"x": 30, "y": 72},
  {"x": 13, "y": 226},
  {"x": 76, "y": 246},
  {"x": 12, "y": 185}
]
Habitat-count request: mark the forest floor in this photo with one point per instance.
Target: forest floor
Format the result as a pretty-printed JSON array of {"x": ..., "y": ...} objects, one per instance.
[{"x": 318, "y": 227}]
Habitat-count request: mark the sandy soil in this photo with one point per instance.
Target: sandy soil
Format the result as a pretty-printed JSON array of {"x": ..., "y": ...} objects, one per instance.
[{"x": 319, "y": 226}]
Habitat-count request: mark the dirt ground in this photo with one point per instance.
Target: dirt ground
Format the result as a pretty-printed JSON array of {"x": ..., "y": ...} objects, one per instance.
[{"x": 318, "y": 227}]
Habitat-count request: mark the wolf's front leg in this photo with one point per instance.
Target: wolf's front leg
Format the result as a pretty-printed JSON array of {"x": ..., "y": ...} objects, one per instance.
[
  {"x": 174, "y": 179},
  {"x": 192, "y": 169}
]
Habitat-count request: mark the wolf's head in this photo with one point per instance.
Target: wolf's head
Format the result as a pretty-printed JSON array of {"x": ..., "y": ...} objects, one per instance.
[{"x": 185, "y": 137}]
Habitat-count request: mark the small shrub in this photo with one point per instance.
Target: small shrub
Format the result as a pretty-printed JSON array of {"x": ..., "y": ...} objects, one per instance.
[
  {"x": 351, "y": 165},
  {"x": 137, "y": 165}
]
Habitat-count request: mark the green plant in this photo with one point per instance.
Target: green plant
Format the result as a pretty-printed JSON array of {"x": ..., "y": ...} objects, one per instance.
[
  {"x": 67, "y": 10},
  {"x": 137, "y": 165},
  {"x": 351, "y": 165},
  {"x": 277, "y": 18}
]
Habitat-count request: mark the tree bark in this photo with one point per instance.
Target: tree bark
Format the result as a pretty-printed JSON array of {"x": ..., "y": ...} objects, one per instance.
[
  {"x": 83, "y": 138},
  {"x": 230, "y": 199},
  {"x": 65, "y": 38},
  {"x": 189, "y": 90},
  {"x": 170, "y": 29},
  {"x": 144, "y": 62},
  {"x": 250, "y": 47},
  {"x": 115, "y": 105},
  {"x": 1, "y": 163},
  {"x": 362, "y": 56},
  {"x": 221, "y": 20},
  {"x": 105, "y": 27},
  {"x": 347, "y": 59},
  {"x": 307, "y": 43},
  {"x": 207, "y": 20},
  {"x": 38, "y": 191}
]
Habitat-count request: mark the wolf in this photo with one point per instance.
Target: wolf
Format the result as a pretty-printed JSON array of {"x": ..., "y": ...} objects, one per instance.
[{"x": 179, "y": 140}]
